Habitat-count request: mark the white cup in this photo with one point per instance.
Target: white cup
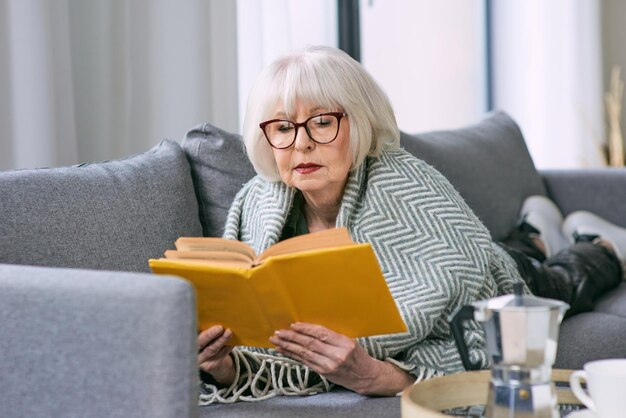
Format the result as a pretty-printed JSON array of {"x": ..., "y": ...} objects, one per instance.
[{"x": 606, "y": 384}]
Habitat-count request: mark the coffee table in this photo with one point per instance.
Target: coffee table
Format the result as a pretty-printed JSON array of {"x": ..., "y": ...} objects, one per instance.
[{"x": 428, "y": 398}]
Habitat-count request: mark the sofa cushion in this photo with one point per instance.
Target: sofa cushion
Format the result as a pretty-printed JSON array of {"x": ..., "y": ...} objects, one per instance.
[
  {"x": 613, "y": 302},
  {"x": 337, "y": 403},
  {"x": 489, "y": 165},
  {"x": 601, "y": 191},
  {"x": 220, "y": 167},
  {"x": 112, "y": 215},
  {"x": 590, "y": 336}
]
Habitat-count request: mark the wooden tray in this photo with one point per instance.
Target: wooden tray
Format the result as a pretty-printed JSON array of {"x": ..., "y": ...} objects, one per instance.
[{"x": 427, "y": 398}]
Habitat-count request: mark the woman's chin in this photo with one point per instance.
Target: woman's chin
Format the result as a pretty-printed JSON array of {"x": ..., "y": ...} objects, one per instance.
[{"x": 311, "y": 186}]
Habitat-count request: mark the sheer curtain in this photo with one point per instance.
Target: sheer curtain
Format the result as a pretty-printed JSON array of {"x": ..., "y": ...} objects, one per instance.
[
  {"x": 268, "y": 29},
  {"x": 87, "y": 80},
  {"x": 547, "y": 73}
]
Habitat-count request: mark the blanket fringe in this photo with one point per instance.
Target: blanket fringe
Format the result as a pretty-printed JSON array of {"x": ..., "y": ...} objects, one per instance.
[{"x": 273, "y": 377}]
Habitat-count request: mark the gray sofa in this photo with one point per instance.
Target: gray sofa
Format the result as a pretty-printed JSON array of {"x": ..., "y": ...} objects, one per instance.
[{"x": 86, "y": 330}]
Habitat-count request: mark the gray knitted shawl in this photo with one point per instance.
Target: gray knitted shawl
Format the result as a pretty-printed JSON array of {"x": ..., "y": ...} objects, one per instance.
[{"x": 434, "y": 252}]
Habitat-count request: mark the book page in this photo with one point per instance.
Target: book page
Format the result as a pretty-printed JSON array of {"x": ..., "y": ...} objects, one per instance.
[
  {"x": 336, "y": 237},
  {"x": 214, "y": 244},
  {"x": 222, "y": 257},
  {"x": 228, "y": 264}
]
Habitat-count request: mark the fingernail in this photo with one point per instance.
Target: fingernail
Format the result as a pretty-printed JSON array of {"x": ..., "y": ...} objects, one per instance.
[
  {"x": 277, "y": 333},
  {"x": 274, "y": 340}
]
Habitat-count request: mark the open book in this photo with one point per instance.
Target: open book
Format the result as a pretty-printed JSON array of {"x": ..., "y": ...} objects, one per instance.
[{"x": 321, "y": 278}]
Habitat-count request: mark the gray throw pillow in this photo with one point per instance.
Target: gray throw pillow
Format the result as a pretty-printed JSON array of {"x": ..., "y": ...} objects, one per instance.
[
  {"x": 489, "y": 165},
  {"x": 220, "y": 167},
  {"x": 112, "y": 215}
]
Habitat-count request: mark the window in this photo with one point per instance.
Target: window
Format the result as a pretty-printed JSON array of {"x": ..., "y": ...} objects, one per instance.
[{"x": 430, "y": 58}]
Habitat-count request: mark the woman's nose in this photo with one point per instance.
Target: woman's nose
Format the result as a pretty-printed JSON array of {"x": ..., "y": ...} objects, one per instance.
[{"x": 303, "y": 140}]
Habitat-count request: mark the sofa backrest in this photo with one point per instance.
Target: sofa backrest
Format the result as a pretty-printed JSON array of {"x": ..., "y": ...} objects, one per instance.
[
  {"x": 220, "y": 167},
  {"x": 488, "y": 163},
  {"x": 111, "y": 215}
]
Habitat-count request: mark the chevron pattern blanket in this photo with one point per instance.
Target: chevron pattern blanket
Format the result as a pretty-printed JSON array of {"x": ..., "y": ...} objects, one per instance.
[{"x": 434, "y": 252}]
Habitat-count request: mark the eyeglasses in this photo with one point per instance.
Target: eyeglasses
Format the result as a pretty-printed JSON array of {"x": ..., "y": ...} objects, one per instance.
[{"x": 322, "y": 128}]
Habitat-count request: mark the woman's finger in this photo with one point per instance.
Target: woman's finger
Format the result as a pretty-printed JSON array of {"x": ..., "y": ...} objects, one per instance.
[
  {"x": 320, "y": 333},
  {"x": 208, "y": 335},
  {"x": 317, "y": 362},
  {"x": 318, "y": 339},
  {"x": 214, "y": 347},
  {"x": 208, "y": 362},
  {"x": 302, "y": 340},
  {"x": 305, "y": 349}
]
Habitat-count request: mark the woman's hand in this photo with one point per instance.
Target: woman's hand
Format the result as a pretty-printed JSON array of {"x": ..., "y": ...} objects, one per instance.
[
  {"x": 340, "y": 359},
  {"x": 213, "y": 354}
]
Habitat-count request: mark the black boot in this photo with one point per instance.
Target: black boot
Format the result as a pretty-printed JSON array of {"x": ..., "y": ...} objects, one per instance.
[
  {"x": 592, "y": 269},
  {"x": 521, "y": 239},
  {"x": 578, "y": 275}
]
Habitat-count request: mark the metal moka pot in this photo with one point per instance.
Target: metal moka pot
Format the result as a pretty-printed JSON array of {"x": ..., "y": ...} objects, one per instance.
[{"x": 521, "y": 333}]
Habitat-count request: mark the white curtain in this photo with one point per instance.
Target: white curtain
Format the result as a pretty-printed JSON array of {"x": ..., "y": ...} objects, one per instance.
[
  {"x": 88, "y": 80},
  {"x": 547, "y": 69},
  {"x": 268, "y": 29}
]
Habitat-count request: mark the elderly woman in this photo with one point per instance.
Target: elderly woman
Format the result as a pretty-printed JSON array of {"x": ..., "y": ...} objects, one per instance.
[{"x": 324, "y": 141}]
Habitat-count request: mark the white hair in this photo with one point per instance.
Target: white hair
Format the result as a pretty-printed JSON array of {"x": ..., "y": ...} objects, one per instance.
[{"x": 331, "y": 79}]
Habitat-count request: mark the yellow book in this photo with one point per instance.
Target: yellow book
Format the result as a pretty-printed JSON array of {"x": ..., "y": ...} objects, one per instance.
[{"x": 321, "y": 278}]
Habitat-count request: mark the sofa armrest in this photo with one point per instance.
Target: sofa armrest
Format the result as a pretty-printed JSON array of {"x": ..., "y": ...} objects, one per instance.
[
  {"x": 96, "y": 343},
  {"x": 601, "y": 191}
]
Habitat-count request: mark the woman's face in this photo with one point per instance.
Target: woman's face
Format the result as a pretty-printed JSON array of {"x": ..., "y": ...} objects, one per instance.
[{"x": 320, "y": 171}]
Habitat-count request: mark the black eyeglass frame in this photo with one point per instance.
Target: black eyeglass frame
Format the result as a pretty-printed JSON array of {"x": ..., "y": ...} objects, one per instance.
[{"x": 338, "y": 115}]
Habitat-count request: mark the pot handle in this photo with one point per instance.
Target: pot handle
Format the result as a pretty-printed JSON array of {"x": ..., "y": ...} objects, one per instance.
[{"x": 458, "y": 317}]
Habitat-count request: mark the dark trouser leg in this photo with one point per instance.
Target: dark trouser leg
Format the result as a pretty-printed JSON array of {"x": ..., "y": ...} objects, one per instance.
[
  {"x": 593, "y": 268},
  {"x": 577, "y": 275}
]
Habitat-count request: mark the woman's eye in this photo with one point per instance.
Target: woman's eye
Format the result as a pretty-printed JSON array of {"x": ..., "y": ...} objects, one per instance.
[
  {"x": 285, "y": 128},
  {"x": 322, "y": 121}
]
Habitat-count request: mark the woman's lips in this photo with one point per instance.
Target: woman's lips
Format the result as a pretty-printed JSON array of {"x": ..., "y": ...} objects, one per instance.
[{"x": 307, "y": 168}]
